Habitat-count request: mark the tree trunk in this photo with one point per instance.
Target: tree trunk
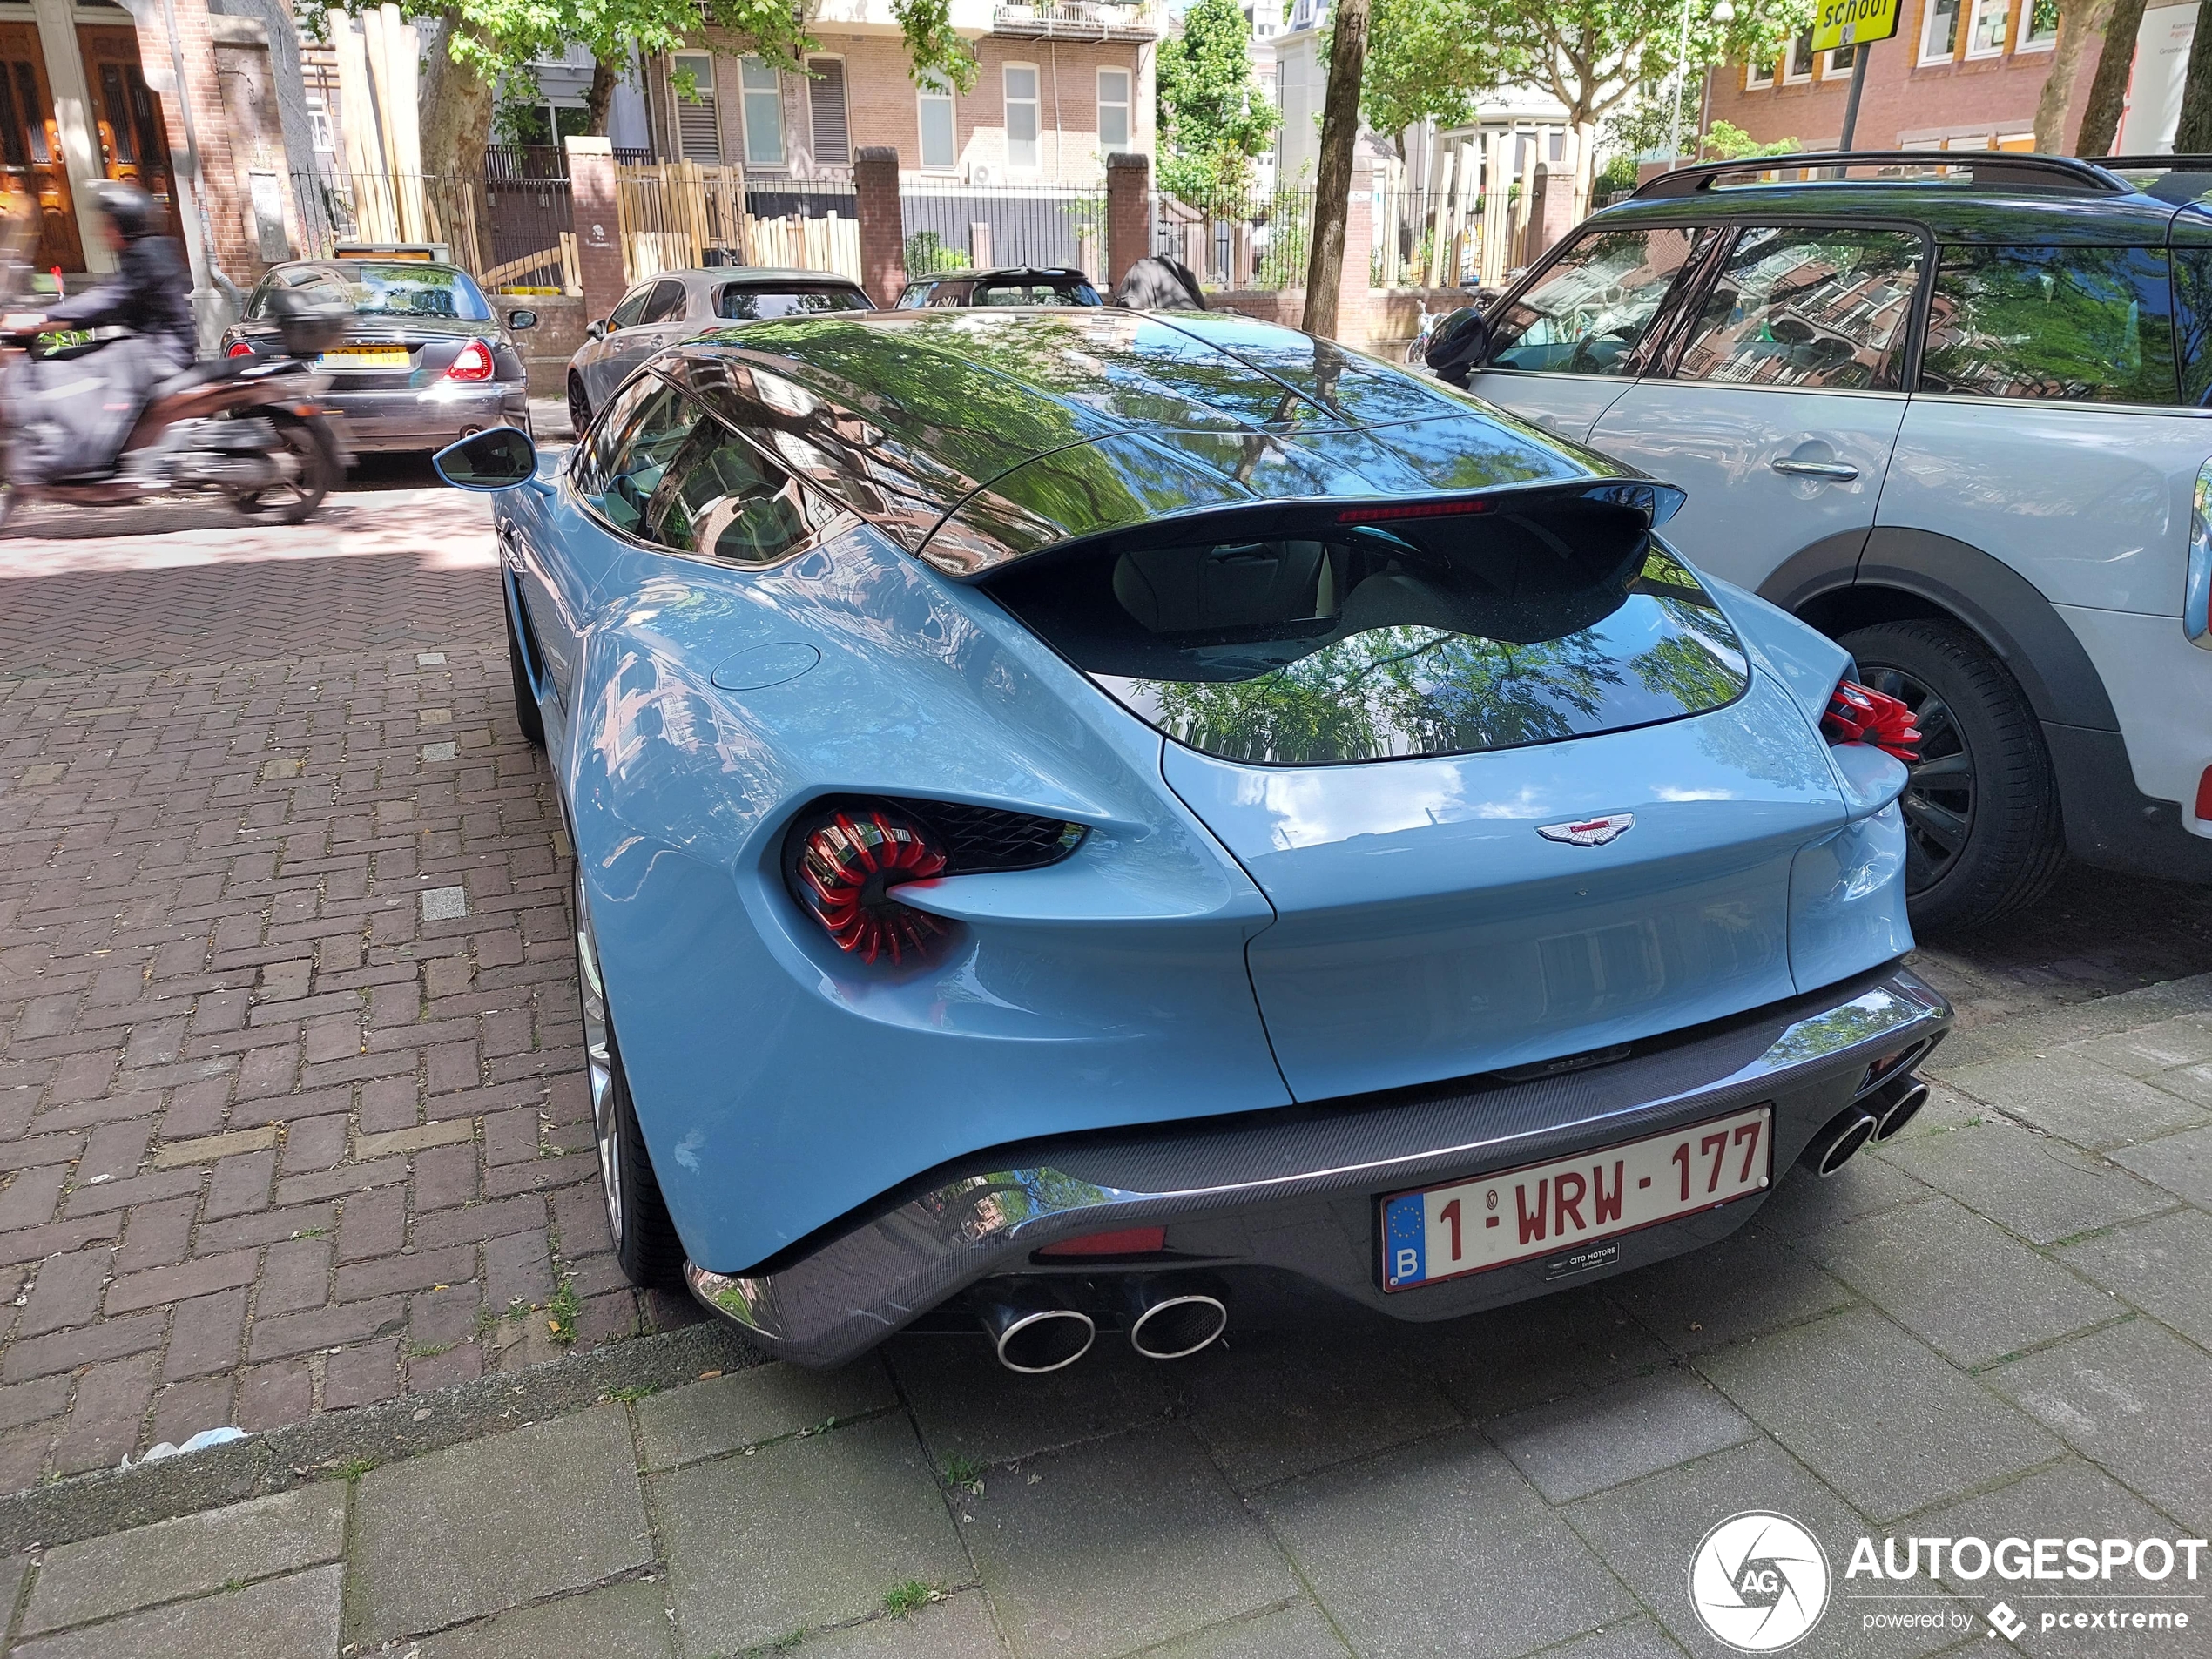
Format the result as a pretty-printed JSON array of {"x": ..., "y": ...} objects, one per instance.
[
  {"x": 2108, "y": 92},
  {"x": 2077, "y": 22},
  {"x": 601, "y": 93},
  {"x": 456, "y": 111},
  {"x": 1585, "y": 165},
  {"x": 2194, "y": 135},
  {"x": 1332, "y": 186}
]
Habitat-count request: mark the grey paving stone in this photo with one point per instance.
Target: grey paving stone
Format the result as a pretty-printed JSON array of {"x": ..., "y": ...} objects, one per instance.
[
  {"x": 1875, "y": 1414},
  {"x": 1532, "y": 1352},
  {"x": 13, "y": 1570},
  {"x": 1748, "y": 1283},
  {"x": 1297, "y": 1631},
  {"x": 2151, "y": 1048},
  {"x": 1279, "y": 1403},
  {"x": 2039, "y": 1187},
  {"x": 2180, "y": 1163},
  {"x": 1441, "y": 1549},
  {"x": 621, "y": 1622},
  {"x": 2069, "y": 1499},
  {"x": 1958, "y": 1282},
  {"x": 2192, "y": 1083},
  {"x": 1638, "y": 1639},
  {"x": 2130, "y": 1398},
  {"x": 970, "y": 1406},
  {"x": 957, "y": 1628},
  {"x": 1114, "y": 1544},
  {"x": 483, "y": 1526},
  {"x": 1586, "y": 1442},
  {"x": 1803, "y": 1203},
  {"x": 2076, "y": 1099},
  {"x": 802, "y": 1534},
  {"x": 279, "y": 1618},
  {"x": 762, "y": 1403},
  {"x": 1646, "y": 1532},
  {"x": 187, "y": 1556},
  {"x": 2162, "y": 1266}
]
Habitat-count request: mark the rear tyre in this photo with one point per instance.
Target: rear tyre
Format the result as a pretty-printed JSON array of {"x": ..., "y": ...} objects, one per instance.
[
  {"x": 1982, "y": 829},
  {"x": 528, "y": 715},
  {"x": 645, "y": 1242},
  {"x": 315, "y": 456},
  {"x": 579, "y": 407}
]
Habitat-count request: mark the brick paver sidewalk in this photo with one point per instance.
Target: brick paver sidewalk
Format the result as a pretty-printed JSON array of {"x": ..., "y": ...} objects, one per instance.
[{"x": 1996, "y": 1326}]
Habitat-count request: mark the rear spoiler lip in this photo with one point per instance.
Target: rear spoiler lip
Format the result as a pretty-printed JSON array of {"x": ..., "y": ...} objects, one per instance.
[{"x": 1657, "y": 502}]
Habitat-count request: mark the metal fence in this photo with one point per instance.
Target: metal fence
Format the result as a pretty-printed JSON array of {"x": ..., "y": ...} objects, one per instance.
[
  {"x": 974, "y": 227},
  {"x": 1247, "y": 240}
]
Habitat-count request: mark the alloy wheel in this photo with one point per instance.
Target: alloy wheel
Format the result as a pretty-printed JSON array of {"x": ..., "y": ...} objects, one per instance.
[
  {"x": 1940, "y": 795},
  {"x": 599, "y": 1063},
  {"x": 579, "y": 408}
]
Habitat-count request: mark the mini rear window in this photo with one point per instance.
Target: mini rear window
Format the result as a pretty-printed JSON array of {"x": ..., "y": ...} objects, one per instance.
[
  {"x": 1451, "y": 635},
  {"x": 2075, "y": 324}
]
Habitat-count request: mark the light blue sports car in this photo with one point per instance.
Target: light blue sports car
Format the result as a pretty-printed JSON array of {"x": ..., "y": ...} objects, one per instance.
[{"x": 1087, "y": 820}]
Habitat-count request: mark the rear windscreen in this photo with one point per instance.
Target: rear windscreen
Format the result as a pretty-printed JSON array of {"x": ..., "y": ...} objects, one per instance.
[{"x": 1421, "y": 637}]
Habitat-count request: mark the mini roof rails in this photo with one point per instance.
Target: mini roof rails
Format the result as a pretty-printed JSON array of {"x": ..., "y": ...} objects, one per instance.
[
  {"x": 1991, "y": 169},
  {"x": 2156, "y": 164}
]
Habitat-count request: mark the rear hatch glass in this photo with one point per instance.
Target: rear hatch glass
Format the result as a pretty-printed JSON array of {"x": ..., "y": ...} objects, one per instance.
[{"x": 1361, "y": 633}]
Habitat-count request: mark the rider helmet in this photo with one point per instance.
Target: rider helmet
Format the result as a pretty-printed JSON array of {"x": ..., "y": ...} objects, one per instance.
[{"x": 133, "y": 213}]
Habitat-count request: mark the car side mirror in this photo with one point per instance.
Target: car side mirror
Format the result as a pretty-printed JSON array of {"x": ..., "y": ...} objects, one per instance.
[
  {"x": 597, "y": 328},
  {"x": 519, "y": 320},
  {"x": 498, "y": 458},
  {"x": 1459, "y": 345}
]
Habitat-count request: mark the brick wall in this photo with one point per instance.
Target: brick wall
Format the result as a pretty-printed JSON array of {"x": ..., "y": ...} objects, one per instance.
[
  {"x": 227, "y": 215},
  {"x": 559, "y": 335}
]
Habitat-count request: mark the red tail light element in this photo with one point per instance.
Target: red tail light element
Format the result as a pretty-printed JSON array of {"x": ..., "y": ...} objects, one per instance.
[
  {"x": 239, "y": 348},
  {"x": 475, "y": 363},
  {"x": 1130, "y": 1241},
  {"x": 847, "y": 866},
  {"x": 1860, "y": 714}
]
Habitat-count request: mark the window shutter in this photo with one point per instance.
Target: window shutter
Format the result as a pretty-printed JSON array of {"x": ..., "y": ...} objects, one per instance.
[
  {"x": 698, "y": 125},
  {"x": 825, "y": 100}
]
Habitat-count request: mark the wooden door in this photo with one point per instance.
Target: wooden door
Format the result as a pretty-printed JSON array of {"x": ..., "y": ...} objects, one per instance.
[
  {"x": 132, "y": 145},
  {"x": 31, "y": 147}
]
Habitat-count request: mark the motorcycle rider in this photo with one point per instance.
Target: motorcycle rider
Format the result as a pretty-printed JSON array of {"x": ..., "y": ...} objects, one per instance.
[{"x": 61, "y": 430}]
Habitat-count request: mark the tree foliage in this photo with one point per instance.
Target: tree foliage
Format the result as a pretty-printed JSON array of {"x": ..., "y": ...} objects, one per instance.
[
  {"x": 1427, "y": 61},
  {"x": 1213, "y": 120}
]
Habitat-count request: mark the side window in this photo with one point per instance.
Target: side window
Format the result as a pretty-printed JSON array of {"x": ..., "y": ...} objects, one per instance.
[
  {"x": 1587, "y": 315},
  {"x": 2081, "y": 324},
  {"x": 2192, "y": 323},
  {"x": 633, "y": 303},
  {"x": 666, "y": 304},
  {"x": 678, "y": 477},
  {"x": 1811, "y": 307},
  {"x": 602, "y": 441},
  {"x": 950, "y": 293}
]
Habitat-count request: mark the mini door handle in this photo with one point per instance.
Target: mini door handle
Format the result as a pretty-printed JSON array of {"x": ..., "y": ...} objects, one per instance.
[{"x": 1842, "y": 471}]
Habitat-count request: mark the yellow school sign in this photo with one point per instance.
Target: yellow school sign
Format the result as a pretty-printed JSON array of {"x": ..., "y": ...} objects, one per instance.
[{"x": 1853, "y": 23}]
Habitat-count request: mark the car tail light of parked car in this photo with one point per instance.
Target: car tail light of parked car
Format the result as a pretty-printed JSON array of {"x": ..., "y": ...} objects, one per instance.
[
  {"x": 473, "y": 363},
  {"x": 241, "y": 348},
  {"x": 1860, "y": 714}
]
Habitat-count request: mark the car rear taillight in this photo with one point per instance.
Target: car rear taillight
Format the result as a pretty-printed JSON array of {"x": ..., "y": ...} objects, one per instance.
[
  {"x": 473, "y": 363},
  {"x": 1860, "y": 714},
  {"x": 239, "y": 348},
  {"x": 1130, "y": 1241}
]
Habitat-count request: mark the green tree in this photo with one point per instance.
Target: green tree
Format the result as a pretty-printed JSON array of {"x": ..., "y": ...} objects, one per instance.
[
  {"x": 1725, "y": 141},
  {"x": 1213, "y": 119},
  {"x": 1426, "y": 59}
]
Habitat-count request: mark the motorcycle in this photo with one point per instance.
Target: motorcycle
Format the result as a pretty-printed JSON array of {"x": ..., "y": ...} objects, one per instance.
[{"x": 251, "y": 429}]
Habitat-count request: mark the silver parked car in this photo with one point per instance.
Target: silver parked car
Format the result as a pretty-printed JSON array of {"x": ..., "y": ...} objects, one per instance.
[
  {"x": 664, "y": 309},
  {"x": 1957, "y": 421}
]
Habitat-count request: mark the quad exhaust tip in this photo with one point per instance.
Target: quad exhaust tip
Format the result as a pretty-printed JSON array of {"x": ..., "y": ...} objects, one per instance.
[
  {"x": 1176, "y": 1326},
  {"x": 1834, "y": 1146},
  {"x": 1032, "y": 1336},
  {"x": 1897, "y": 1105}
]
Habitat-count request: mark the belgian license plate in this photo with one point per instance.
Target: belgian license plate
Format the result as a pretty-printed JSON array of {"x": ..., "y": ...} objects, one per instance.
[
  {"x": 1559, "y": 1209},
  {"x": 364, "y": 357}
]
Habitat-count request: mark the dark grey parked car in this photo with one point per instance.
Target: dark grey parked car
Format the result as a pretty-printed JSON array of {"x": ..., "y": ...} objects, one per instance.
[
  {"x": 1013, "y": 285},
  {"x": 664, "y": 309}
]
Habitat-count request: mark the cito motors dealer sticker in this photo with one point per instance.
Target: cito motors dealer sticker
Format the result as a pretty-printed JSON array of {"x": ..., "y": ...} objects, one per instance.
[{"x": 1761, "y": 1582}]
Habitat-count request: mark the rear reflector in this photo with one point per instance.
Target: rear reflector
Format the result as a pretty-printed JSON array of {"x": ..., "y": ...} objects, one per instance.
[
  {"x": 1130, "y": 1241},
  {"x": 1411, "y": 509}
]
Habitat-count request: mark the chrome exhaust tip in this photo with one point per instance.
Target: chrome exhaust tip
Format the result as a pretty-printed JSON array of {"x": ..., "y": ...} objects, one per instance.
[
  {"x": 1033, "y": 1335},
  {"x": 1834, "y": 1146},
  {"x": 1898, "y": 1106},
  {"x": 1174, "y": 1322}
]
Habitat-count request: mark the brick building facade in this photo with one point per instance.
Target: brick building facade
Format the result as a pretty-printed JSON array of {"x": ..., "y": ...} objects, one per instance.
[{"x": 1960, "y": 74}]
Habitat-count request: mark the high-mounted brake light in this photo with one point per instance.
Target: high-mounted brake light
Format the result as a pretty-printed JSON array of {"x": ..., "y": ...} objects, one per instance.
[
  {"x": 1411, "y": 509},
  {"x": 1130, "y": 1241},
  {"x": 848, "y": 863},
  {"x": 239, "y": 348},
  {"x": 475, "y": 363},
  {"x": 1860, "y": 714}
]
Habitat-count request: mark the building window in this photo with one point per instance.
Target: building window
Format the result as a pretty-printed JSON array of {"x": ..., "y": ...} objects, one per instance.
[
  {"x": 2039, "y": 26},
  {"x": 1939, "y": 32},
  {"x": 826, "y": 108},
  {"x": 1841, "y": 62},
  {"x": 1991, "y": 24},
  {"x": 1113, "y": 110},
  {"x": 1759, "y": 76},
  {"x": 934, "y": 97},
  {"x": 1021, "y": 117},
  {"x": 698, "y": 124},
  {"x": 764, "y": 112},
  {"x": 1797, "y": 67},
  {"x": 320, "y": 133}
]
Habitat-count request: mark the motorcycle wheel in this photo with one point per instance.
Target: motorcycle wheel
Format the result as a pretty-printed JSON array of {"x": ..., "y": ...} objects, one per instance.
[
  {"x": 11, "y": 500},
  {"x": 295, "y": 500}
]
